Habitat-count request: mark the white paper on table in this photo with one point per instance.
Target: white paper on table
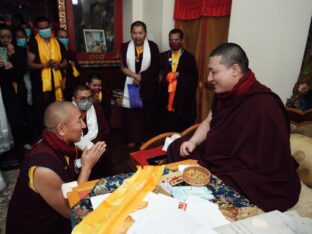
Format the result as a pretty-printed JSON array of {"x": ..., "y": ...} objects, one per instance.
[
  {"x": 205, "y": 212},
  {"x": 97, "y": 200},
  {"x": 271, "y": 222},
  {"x": 162, "y": 215},
  {"x": 166, "y": 187},
  {"x": 68, "y": 187},
  {"x": 169, "y": 140}
]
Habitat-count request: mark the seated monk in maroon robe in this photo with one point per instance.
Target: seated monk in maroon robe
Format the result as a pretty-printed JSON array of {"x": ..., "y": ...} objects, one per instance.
[
  {"x": 37, "y": 204},
  {"x": 245, "y": 138},
  {"x": 96, "y": 130}
]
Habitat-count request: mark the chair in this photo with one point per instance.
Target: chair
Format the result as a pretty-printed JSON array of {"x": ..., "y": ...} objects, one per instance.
[
  {"x": 150, "y": 150},
  {"x": 157, "y": 140},
  {"x": 190, "y": 130}
]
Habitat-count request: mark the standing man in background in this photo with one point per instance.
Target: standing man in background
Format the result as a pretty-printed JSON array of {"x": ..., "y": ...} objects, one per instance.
[
  {"x": 71, "y": 74},
  {"x": 140, "y": 63},
  {"x": 178, "y": 84},
  {"x": 46, "y": 57}
]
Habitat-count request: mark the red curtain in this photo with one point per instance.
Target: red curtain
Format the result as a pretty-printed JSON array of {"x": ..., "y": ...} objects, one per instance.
[{"x": 194, "y": 9}]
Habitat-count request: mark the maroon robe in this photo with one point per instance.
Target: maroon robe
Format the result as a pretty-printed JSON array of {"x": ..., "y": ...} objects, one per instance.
[
  {"x": 184, "y": 102},
  {"x": 103, "y": 167},
  {"x": 142, "y": 124},
  {"x": 248, "y": 147},
  {"x": 28, "y": 212}
]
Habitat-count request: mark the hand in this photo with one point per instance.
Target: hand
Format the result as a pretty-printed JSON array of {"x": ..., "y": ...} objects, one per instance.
[
  {"x": 90, "y": 157},
  {"x": 10, "y": 49},
  {"x": 53, "y": 64},
  {"x": 137, "y": 79},
  {"x": 8, "y": 66},
  {"x": 135, "y": 82},
  {"x": 187, "y": 148}
]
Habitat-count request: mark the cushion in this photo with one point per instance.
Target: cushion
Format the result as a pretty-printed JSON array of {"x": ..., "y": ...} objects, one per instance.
[
  {"x": 303, "y": 128},
  {"x": 301, "y": 150}
]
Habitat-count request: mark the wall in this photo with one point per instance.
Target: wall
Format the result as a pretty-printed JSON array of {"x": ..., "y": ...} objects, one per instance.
[
  {"x": 273, "y": 33},
  {"x": 158, "y": 16},
  {"x": 152, "y": 16}
]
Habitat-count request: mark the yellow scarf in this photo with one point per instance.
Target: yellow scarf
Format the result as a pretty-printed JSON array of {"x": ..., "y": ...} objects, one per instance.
[
  {"x": 49, "y": 51},
  {"x": 100, "y": 96},
  {"x": 175, "y": 57},
  {"x": 110, "y": 214}
]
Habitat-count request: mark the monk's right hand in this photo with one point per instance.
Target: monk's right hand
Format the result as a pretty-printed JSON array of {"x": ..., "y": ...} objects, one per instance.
[
  {"x": 187, "y": 148},
  {"x": 90, "y": 156}
]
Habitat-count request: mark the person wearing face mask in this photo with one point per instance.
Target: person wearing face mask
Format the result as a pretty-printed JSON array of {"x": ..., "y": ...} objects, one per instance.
[
  {"x": 140, "y": 63},
  {"x": 28, "y": 30},
  {"x": 97, "y": 128},
  {"x": 100, "y": 94},
  {"x": 178, "y": 84},
  {"x": 24, "y": 87},
  {"x": 46, "y": 58},
  {"x": 11, "y": 78},
  {"x": 72, "y": 75}
]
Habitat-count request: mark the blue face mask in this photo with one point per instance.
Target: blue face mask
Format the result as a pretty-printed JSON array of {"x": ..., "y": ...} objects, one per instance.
[
  {"x": 64, "y": 41},
  {"x": 21, "y": 42},
  {"x": 28, "y": 32},
  {"x": 45, "y": 33}
]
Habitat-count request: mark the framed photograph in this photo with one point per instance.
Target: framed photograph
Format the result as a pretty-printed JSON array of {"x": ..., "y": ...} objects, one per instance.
[
  {"x": 94, "y": 28},
  {"x": 94, "y": 40}
]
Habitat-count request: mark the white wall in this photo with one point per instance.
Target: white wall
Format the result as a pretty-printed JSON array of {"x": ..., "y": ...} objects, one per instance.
[
  {"x": 167, "y": 23},
  {"x": 127, "y": 15},
  {"x": 152, "y": 17},
  {"x": 273, "y": 33},
  {"x": 157, "y": 14}
]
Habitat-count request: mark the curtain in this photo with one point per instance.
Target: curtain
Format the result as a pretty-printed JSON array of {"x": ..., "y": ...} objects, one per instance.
[
  {"x": 205, "y": 24},
  {"x": 194, "y": 9},
  {"x": 201, "y": 37}
]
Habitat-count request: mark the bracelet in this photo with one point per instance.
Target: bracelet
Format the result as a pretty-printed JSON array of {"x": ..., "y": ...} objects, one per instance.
[{"x": 44, "y": 65}]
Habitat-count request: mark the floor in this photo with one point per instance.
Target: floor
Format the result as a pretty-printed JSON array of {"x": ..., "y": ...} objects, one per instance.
[{"x": 9, "y": 166}]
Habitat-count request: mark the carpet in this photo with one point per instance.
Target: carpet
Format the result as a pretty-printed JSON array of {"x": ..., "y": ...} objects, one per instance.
[{"x": 10, "y": 178}]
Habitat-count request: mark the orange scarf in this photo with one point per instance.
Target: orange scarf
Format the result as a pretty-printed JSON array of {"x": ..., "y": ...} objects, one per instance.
[
  {"x": 172, "y": 86},
  {"x": 49, "y": 51},
  {"x": 172, "y": 78}
]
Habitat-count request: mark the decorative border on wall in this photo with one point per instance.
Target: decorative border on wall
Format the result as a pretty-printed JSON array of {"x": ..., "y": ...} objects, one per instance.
[{"x": 62, "y": 13}]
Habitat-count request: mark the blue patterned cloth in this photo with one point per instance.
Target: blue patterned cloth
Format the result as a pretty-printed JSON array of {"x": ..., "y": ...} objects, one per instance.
[{"x": 224, "y": 195}]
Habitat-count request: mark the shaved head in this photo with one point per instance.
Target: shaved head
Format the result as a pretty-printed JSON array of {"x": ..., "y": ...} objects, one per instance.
[{"x": 57, "y": 113}]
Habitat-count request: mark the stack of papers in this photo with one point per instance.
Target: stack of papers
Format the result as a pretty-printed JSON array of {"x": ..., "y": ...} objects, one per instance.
[
  {"x": 272, "y": 222},
  {"x": 169, "y": 215}
]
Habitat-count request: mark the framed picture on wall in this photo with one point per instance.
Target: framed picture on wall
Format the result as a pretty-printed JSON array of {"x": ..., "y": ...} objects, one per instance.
[
  {"x": 94, "y": 40},
  {"x": 94, "y": 28}
]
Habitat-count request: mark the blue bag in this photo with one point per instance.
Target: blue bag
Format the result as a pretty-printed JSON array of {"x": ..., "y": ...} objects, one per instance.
[{"x": 134, "y": 96}]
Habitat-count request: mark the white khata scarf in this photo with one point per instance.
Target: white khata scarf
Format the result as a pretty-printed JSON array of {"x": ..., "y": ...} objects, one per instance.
[
  {"x": 93, "y": 129},
  {"x": 146, "y": 62}
]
